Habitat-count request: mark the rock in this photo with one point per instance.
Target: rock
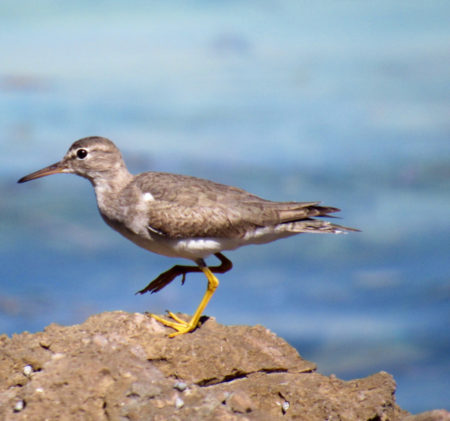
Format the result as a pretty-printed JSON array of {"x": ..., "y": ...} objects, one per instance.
[
  {"x": 121, "y": 366},
  {"x": 436, "y": 415}
]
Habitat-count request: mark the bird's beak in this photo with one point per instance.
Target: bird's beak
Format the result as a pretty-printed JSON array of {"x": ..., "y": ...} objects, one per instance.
[{"x": 57, "y": 168}]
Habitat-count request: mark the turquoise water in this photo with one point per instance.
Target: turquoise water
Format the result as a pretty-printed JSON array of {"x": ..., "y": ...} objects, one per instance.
[{"x": 344, "y": 102}]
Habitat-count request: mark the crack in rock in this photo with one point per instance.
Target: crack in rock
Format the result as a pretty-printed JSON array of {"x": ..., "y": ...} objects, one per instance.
[{"x": 237, "y": 376}]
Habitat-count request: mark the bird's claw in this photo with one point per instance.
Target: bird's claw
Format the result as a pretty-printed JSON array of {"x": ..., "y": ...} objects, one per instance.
[{"x": 180, "y": 325}]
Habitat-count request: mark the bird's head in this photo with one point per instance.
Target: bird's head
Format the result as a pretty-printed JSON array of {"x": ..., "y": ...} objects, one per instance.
[{"x": 91, "y": 158}]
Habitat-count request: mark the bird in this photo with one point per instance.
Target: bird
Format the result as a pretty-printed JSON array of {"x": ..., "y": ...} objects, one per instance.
[{"x": 184, "y": 216}]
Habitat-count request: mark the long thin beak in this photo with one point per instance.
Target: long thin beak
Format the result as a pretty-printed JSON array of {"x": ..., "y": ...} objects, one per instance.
[{"x": 51, "y": 169}]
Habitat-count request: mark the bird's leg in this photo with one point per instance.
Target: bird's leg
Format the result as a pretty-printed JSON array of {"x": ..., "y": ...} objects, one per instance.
[
  {"x": 182, "y": 326},
  {"x": 168, "y": 276},
  {"x": 225, "y": 264}
]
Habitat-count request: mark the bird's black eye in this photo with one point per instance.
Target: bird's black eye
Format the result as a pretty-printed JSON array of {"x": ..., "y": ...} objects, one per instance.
[{"x": 82, "y": 153}]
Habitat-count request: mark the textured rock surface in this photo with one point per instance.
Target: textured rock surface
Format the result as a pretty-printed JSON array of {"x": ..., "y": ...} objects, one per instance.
[
  {"x": 121, "y": 366},
  {"x": 436, "y": 415}
]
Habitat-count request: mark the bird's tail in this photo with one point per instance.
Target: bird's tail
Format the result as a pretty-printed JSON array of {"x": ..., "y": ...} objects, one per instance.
[{"x": 317, "y": 226}]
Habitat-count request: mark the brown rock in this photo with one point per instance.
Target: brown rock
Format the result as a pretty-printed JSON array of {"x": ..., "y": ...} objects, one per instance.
[
  {"x": 436, "y": 415},
  {"x": 121, "y": 366}
]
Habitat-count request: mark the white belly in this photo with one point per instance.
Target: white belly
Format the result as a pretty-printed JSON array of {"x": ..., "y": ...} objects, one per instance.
[{"x": 193, "y": 248}]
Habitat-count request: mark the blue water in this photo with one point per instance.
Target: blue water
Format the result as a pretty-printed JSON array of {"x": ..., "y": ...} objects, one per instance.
[{"x": 345, "y": 102}]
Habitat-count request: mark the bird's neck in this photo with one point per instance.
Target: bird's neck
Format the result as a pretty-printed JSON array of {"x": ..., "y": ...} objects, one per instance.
[{"x": 109, "y": 186}]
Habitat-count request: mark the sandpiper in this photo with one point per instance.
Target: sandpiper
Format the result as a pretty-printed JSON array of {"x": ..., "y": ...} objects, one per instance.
[{"x": 183, "y": 216}]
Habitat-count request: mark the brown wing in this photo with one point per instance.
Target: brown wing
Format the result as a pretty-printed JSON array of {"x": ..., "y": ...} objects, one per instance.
[{"x": 191, "y": 207}]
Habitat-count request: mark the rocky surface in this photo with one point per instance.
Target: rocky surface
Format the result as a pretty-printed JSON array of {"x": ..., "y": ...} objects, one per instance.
[{"x": 121, "y": 366}]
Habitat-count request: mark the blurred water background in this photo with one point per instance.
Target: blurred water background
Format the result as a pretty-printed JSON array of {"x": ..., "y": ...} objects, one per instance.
[{"x": 341, "y": 101}]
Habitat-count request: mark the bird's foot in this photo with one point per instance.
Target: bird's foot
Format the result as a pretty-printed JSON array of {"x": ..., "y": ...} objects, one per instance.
[{"x": 180, "y": 325}]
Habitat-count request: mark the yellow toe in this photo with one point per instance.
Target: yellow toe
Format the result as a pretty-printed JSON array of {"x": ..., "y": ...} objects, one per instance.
[
  {"x": 176, "y": 318},
  {"x": 178, "y": 324}
]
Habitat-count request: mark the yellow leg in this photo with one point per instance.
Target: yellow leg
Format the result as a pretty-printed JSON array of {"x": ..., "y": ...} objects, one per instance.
[{"x": 182, "y": 326}]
